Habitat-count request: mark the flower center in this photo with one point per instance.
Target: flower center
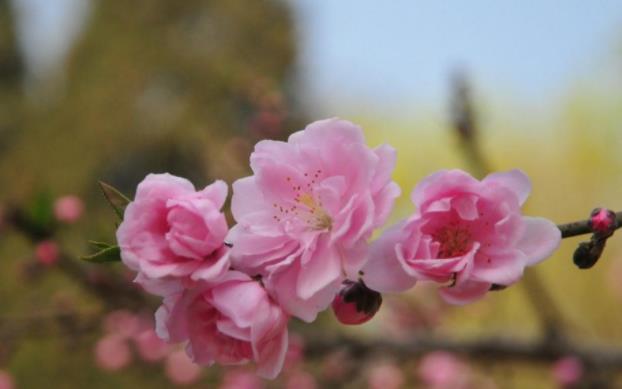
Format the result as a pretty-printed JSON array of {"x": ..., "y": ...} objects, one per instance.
[
  {"x": 454, "y": 241},
  {"x": 306, "y": 208}
]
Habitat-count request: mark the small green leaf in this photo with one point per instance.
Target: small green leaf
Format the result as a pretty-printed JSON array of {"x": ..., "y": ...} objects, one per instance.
[
  {"x": 117, "y": 200},
  {"x": 100, "y": 245},
  {"x": 108, "y": 254}
]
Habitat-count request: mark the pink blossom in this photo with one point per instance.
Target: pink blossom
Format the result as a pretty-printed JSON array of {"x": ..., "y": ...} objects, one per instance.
[
  {"x": 68, "y": 209},
  {"x": 6, "y": 380},
  {"x": 180, "y": 369},
  {"x": 231, "y": 322},
  {"x": 112, "y": 353},
  {"x": 567, "y": 371},
  {"x": 442, "y": 370},
  {"x": 150, "y": 347},
  {"x": 47, "y": 252},
  {"x": 240, "y": 379},
  {"x": 385, "y": 376},
  {"x": 300, "y": 379},
  {"x": 305, "y": 215},
  {"x": 122, "y": 323},
  {"x": 171, "y": 230},
  {"x": 466, "y": 233}
]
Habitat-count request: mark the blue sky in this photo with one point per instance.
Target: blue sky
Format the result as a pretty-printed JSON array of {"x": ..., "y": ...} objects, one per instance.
[
  {"x": 396, "y": 53},
  {"x": 392, "y": 53}
]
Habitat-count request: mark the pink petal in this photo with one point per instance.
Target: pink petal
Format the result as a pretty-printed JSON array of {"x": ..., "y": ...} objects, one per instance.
[
  {"x": 387, "y": 157},
  {"x": 210, "y": 271},
  {"x": 465, "y": 293},
  {"x": 270, "y": 340},
  {"x": 331, "y": 130},
  {"x": 515, "y": 180},
  {"x": 503, "y": 268},
  {"x": 282, "y": 283},
  {"x": 441, "y": 183},
  {"x": 320, "y": 271},
  {"x": 216, "y": 192},
  {"x": 247, "y": 198},
  {"x": 238, "y": 300},
  {"x": 540, "y": 239},
  {"x": 383, "y": 272}
]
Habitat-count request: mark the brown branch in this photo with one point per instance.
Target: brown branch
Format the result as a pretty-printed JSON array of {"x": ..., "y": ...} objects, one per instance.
[
  {"x": 583, "y": 227},
  {"x": 488, "y": 349}
]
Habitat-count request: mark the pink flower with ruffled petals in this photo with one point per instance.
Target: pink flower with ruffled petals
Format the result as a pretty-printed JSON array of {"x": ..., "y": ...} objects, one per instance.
[
  {"x": 229, "y": 322},
  {"x": 305, "y": 215},
  {"x": 171, "y": 230},
  {"x": 466, "y": 233}
]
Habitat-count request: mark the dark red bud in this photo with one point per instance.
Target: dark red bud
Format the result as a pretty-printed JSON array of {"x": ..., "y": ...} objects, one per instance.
[{"x": 356, "y": 303}]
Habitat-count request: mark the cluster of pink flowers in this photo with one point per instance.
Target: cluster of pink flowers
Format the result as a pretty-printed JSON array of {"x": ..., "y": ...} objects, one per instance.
[{"x": 304, "y": 220}]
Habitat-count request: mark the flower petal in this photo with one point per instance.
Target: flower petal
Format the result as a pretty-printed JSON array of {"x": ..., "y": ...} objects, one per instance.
[
  {"x": 540, "y": 239},
  {"x": 467, "y": 292},
  {"x": 515, "y": 180}
]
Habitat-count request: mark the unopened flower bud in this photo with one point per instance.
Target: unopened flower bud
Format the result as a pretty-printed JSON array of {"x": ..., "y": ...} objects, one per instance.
[
  {"x": 68, "y": 209},
  {"x": 603, "y": 222},
  {"x": 356, "y": 303},
  {"x": 588, "y": 253},
  {"x": 47, "y": 252}
]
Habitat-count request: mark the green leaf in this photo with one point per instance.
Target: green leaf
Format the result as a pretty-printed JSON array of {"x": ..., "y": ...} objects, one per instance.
[
  {"x": 100, "y": 245},
  {"x": 117, "y": 200},
  {"x": 108, "y": 254}
]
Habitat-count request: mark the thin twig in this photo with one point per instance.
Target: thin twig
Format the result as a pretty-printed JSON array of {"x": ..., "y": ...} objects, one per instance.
[{"x": 582, "y": 227}]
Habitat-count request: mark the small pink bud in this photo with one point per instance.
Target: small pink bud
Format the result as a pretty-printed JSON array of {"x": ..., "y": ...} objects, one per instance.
[
  {"x": 180, "y": 369},
  {"x": 6, "y": 380},
  {"x": 240, "y": 379},
  {"x": 356, "y": 303},
  {"x": 150, "y": 347},
  {"x": 122, "y": 323},
  {"x": 68, "y": 209},
  {"x": 46, "y": 252},
  {"x": 567, "y": 371},
  {"x": 385, "y": 376},
  {"x": 301, "y": 380},
  {"x": 603, "y": 222},
  {"x": 441, "y": 369},
  {"x": 112, "y": 353}
]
